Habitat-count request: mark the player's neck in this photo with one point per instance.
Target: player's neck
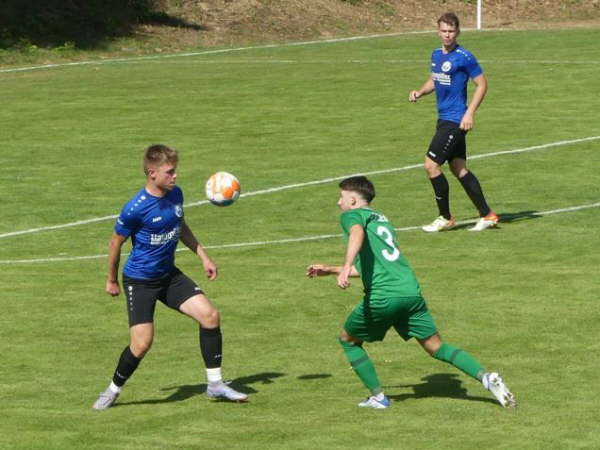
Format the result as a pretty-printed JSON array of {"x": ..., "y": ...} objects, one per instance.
[
  {"x": 154, "y": 190},
  {"x": 450, "y": 48}
]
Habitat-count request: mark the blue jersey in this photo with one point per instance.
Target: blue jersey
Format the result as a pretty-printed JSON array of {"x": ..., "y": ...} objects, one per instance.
[
  {"x": 154, "y": 224},
  {"x": 450, "y": 73}
]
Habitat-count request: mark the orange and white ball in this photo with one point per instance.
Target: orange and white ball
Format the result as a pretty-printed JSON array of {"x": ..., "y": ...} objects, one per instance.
[{"x": 222, "y": 189}]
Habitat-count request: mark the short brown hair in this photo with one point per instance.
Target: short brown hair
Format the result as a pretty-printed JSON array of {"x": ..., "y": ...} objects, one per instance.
[
  {"x": 361, "y": 185},
  {"x": 449, "y": 18},
  {"x": 158, "y": 154}
]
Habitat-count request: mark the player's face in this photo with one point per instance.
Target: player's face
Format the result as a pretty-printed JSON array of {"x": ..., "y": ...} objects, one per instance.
[
  {"x": 165, "y": 176},
  {"x": 347, "y": 200},
  {"x": 448, "y": 34}
]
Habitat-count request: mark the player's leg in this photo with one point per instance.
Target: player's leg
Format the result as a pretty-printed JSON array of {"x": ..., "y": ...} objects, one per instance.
[
  {"x": 438, "y": 152},
  {"x": 199, "y": 308},
  {"x": 469, "y": 365},
  {"x": 472, "y": 187},
  {"x": 419, "y": 323},
  {"x": 367, "y": 326},
  {"x": 365, "y": 370},
  {"x": 141, "y": 302},
  {"x": 452, "y": 355}
]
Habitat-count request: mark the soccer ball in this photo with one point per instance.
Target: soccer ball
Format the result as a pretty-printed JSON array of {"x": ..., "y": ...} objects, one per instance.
[{"x": 222, "y": 188}]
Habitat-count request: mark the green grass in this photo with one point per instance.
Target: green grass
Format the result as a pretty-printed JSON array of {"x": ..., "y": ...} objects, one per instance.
[{"x": 522, "y": 298}]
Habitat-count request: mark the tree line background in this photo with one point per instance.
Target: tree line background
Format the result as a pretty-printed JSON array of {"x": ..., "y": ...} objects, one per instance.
[{"x": 83, "y": 23}]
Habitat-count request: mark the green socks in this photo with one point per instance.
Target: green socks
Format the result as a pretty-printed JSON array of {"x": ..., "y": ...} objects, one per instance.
[
  {"x": 362, "y": 365},
  {"x": 461, "y": 360}
]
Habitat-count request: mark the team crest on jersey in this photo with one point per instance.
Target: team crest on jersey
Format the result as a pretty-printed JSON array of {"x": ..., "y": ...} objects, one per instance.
[
  {"x": 446, "y": 66},
  {"x": 178, "y": 210}
]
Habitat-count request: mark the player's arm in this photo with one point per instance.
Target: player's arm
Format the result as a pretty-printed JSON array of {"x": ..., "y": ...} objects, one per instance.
[
  {"x": 320, "y": 270},
  {"x": 190, "y": 241},
  {"x": 427, "y": 88},
  {"x": 356, "y": 237},
  {"x": 114, "y": 257},
  {"x": 478, "y": 96}
]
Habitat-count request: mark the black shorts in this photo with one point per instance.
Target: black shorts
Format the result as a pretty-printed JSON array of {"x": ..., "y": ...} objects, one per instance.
[
  {"x": 447, "y": 143},
  {"x": 173, "y": 289}
]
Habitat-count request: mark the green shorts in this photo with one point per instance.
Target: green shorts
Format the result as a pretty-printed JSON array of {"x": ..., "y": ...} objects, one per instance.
[{"x": 372, "y": 318}]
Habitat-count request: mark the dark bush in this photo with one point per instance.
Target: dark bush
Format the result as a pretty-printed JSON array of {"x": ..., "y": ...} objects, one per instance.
[{"x": 83, "y": 22}]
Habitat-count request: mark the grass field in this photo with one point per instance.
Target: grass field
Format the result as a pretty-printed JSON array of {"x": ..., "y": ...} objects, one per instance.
[{"x": 520, "y": 298}]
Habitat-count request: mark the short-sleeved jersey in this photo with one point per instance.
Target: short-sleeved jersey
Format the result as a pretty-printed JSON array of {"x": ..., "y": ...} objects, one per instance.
[
  {"x": 154, "y": 224},
  {"x": 450, "y": 73},
  {"x": 384, "y": 270}
]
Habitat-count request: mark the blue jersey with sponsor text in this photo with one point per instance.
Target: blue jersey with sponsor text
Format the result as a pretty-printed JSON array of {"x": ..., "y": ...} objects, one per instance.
[
  {"x": 154, "y": 224},
  {"x": 450, "y": 73}
]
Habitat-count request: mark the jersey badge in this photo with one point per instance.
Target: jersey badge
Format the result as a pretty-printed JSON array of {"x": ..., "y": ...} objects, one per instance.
[
  {"x": 447, "y": 66},
  {"x": 178, "y": 211}
]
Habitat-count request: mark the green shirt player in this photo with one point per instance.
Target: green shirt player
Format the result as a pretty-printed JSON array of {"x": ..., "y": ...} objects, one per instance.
[{"x": 392, "y": 296}]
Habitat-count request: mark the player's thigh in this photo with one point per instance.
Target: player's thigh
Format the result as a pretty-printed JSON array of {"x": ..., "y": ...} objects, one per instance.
[
  {"x": 200, "y": 308},
  {"x": 141, "y": 298},
  {"x": 414, "y": 319},
  {"x": 447, "y": 143},
  {"x": 370, "y": 320},
  {"x": 179, "y": 290}
]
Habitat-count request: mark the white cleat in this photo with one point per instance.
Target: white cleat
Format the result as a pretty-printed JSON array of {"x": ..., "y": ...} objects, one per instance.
[
  {"x": 440, "y": 224},
  {"x": 105, "y": 400},
  {"x": 221, "y": 390},
  {"x": 491, "y": 220},
  {"x": 372, "y": 402},
  {"x": 493, "y": 383}
]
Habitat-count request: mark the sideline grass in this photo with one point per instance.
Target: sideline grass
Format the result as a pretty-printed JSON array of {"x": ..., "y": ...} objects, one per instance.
[{"x": 521, "y": 298}]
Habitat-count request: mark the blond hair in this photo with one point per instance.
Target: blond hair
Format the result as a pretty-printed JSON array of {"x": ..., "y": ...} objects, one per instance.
[{"x": 156, "y": 155}]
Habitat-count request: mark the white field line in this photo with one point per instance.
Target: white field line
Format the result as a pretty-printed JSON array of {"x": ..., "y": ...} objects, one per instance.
[
  {"x": 308, "y": 183},
  {"x": 283, "y": 241},
  {"x": 267, "y": 46},
  {"x": 213, "y": 52}
]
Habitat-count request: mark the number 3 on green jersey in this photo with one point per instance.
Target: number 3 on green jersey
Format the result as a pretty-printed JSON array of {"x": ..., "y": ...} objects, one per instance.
[{"x": 387, "y": 236}]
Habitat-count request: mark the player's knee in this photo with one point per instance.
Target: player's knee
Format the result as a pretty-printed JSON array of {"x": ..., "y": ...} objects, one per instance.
[
  {"x": 431, "y": 351},
  {"x": 432, "y": 168},
  {"x": 431, "y": 344},
  {"x": 459, "y": 172},
  {"x": 141, "y": 346},
  {"x": 345, "y": 339},
  {"x": 212, "y": 319}
]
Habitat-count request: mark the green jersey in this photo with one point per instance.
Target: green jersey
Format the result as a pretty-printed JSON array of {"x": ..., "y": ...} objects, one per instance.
[{"x": 384, "y": 271}]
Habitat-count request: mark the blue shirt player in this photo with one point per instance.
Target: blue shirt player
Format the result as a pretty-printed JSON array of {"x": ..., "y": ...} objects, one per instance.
[
  {"x": 154, "y": 221},
  {"x": 452, "y": 66}
]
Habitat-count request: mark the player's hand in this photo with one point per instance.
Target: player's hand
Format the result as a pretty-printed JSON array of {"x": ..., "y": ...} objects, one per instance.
[
  {"x": 210, "y": 269},
  {"x": 112, "y": 288},
  {"x": 467, "y": 122},
  {"x": 413, "y": 96},
  {"x": 342, "y": 278},
  {"x": 317, "y": 270}
]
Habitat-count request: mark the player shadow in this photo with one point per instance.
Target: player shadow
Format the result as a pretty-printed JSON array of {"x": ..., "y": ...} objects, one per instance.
[
  {"x": 505, "y": 217},
  {"x": 446, "y": 385},
  {"x": 186, "y": 391},
  {"x": 314, "y": 376}
]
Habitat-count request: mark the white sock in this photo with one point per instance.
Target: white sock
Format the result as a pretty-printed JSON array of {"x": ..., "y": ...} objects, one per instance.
[
  {"x": 214, "y": 375},
  {"x": 114, "y": 388},
  {"x": 379, "y": 397},
  {"x": 485, "y": 380}
]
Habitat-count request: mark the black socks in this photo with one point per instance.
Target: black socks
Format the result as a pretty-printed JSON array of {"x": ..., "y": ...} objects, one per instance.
[
  {"x": 128, "y": 362},
  {"x": 471, "y": 185},
  {"x": 211, "y": 346},
  {"x": 441, "y": 190}
]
